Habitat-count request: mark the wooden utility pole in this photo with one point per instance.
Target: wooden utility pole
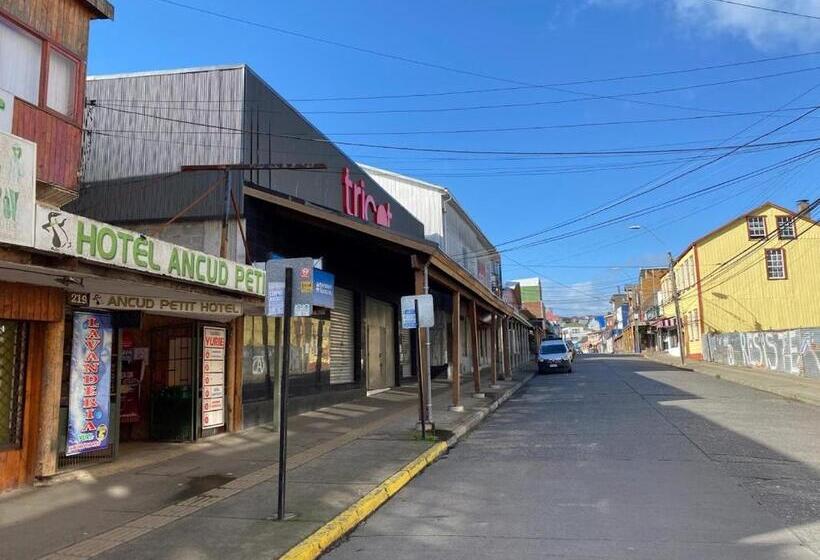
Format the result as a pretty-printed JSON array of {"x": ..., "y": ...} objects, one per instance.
[{"x": 676, "y": 299}]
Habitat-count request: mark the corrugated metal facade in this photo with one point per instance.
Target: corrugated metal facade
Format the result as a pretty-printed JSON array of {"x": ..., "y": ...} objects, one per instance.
[
  {"x": 445, "y": 223},
  {"x": 145, "y": 122},
  {"x": 151, "y": 124}
]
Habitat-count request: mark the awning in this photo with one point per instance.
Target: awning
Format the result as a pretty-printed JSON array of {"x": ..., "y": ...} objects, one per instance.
[{"x": 664, "y": 323}]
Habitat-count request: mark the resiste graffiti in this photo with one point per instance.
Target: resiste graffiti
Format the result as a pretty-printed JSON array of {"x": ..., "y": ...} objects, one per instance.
[{"x": 795, "y": 352}]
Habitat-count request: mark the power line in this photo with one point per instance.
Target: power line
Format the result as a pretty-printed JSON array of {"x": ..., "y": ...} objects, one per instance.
[
  {"x": 584, "y": 97},
  {"x": 556, "y": 84},
  {"x": 655, "y": 208},
  {"x": 321, "y": 140},
  {"x": 401, "y": 58},
  {"x": 497, "y": 129},
  {"x": 664, "y": 183},
  {"x": 766, "y": 9}
]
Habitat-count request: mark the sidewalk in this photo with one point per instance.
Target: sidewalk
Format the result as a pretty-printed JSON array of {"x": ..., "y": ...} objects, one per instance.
[
  {"x": 782, "y": 384},
  {"x": 217, "y": 500}
]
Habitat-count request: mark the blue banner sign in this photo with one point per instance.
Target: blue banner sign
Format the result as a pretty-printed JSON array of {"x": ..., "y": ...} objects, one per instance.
[
  {"x": 323, "y": 283},
  {"x": 90, "y": 384}
]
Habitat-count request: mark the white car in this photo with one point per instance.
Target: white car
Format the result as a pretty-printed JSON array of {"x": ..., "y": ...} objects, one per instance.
[{"x": 554, "y": 356}]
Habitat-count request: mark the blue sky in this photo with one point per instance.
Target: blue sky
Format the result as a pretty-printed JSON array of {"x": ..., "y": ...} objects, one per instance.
[{"x": 532, "y": 42}]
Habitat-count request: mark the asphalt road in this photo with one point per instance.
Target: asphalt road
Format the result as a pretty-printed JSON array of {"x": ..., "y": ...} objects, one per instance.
[{"x": 622, "y": 459}]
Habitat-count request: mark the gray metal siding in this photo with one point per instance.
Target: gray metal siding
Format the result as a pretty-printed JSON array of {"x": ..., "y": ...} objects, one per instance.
[
  {"x": 129, "y": 144},
  {"x": 278, "y": 133},
  {"x": 147, "y": 125},
  {"x": 467, "y": 247}
]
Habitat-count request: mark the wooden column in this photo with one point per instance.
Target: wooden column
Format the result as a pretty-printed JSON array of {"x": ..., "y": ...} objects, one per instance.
[
  {"x": 474, "y": 337},
  {"x": 418, "y": 280},
  {"x": 494, "y": 353},
  {"x": 50, "y": 385},
  {"x": 506, "y": 336},
  {"x": 234, "y": 373},
  {"x": 455, "y": 353}
]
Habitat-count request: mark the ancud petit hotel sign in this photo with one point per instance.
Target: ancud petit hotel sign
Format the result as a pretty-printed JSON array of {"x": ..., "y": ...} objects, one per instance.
[{"x": 65, "y": 233}]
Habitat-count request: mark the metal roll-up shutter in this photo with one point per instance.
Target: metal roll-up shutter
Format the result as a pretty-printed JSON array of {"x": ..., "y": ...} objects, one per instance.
[{"x": 341, "y": 337}]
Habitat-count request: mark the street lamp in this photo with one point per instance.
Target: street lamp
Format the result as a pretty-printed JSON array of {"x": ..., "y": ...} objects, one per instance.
[
  {"x": 655, "y": 235},
  {"x": 675, "y": 297}
]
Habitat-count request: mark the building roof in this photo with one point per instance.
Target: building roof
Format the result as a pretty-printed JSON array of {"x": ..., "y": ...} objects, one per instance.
[
  {"x": 730, "y": 223},
  {"x": 102, "y": 8}
]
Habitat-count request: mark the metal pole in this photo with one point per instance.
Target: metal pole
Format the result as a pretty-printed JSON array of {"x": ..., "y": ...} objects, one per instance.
[
  {"x": 419, "y": 373},
  {"x": 677, "y": 307},
  {"x": 283, "y": 395}
]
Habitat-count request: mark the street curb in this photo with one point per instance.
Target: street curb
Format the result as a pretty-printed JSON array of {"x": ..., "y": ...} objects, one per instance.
[{"x": 323, "y": 538}]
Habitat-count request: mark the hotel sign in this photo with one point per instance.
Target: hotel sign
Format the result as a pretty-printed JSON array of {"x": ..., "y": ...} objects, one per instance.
[
  {"x": 18, "y": 159},
  {"x": 120, "y": 302},
  {"x": 68, "y": 234}
]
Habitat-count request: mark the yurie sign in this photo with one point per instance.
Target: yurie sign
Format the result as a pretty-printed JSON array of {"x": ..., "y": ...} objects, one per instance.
[
  {"x": 213, "y": 377},
  {"x": 62, "y": 232},
  {"x": 90, "y": 384},
  {"x": 17, "y": 191}
]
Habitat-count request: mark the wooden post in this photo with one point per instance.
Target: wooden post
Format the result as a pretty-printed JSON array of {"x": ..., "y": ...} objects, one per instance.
[
  {"x": 51, "y": 383},
  {"x": 505, "y": 326},
  {"x": 474, "y": 337},
  {"x": 233, "y": 388},
  {"x": 494, "y": 353},
  {"x": 455, "y": 353},
  {"x": 418, "y": 278}
]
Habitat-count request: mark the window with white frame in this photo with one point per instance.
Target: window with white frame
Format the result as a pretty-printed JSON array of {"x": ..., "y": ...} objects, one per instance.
[
  {"x": 775, "y": 264},
  {"x": 21, "y": 53},
  {"x": 785, "y": 227},
  {"x": 756, "y": 226}
]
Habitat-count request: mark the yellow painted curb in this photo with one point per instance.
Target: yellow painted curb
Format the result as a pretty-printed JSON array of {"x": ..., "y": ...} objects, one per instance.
[{"x": 314, "y": 545}]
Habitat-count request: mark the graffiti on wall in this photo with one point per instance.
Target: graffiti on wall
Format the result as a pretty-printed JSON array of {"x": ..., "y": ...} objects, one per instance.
[{"x": 795, "y": 352}]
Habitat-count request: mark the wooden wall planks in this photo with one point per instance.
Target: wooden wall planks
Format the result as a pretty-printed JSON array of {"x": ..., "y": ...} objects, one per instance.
[
  {"x": 30, "y": 303},
  {"x": 65, "y": 22}
]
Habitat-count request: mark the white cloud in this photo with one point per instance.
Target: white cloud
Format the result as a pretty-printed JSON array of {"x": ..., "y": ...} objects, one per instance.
[{"x": 765, "y": 30}]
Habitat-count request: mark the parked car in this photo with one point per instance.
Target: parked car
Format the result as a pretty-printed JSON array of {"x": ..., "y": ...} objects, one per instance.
[{"x": 554, "y": 356}]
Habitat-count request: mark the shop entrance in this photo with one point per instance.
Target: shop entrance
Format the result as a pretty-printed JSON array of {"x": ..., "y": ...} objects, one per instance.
[
  {"x": 380, "y": 337},
  {"x": 172, "y": 374}
]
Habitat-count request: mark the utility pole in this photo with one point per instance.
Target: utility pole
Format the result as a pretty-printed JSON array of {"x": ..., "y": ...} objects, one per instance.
[{"x": 677, "y": 307}]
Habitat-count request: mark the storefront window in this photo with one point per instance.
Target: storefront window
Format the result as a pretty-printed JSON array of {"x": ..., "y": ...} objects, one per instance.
[
  {"x": 12, "y": 382},
  {"x": 309, "y": 346}
]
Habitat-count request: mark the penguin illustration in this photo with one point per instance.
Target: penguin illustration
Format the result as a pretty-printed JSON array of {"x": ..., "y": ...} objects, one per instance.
[{"x": 59, "y": 237}]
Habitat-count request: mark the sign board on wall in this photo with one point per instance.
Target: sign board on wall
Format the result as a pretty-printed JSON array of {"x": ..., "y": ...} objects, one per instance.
[
  {"x": 6, "y": 111},
  {"x": 302, "y": 276},
  {"x": 213, "y": 377},
  {"x": 323, "y": 288},
  {"x": 68, "y": 234},
  {"x": 18, "y": 160},
  {"x": 426, "y": 316},
  {"x": 178, "y": 306},
  {"x": 89, "y": 384}
]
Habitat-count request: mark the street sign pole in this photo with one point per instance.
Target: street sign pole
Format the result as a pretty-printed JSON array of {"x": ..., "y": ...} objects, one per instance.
[
  {"x": 419, "y": 373},
  {"x": 283, "y": 395}
]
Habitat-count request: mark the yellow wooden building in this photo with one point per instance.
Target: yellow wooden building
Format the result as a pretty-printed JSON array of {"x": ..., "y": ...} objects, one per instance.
[{"x": 759, "y": 272}]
